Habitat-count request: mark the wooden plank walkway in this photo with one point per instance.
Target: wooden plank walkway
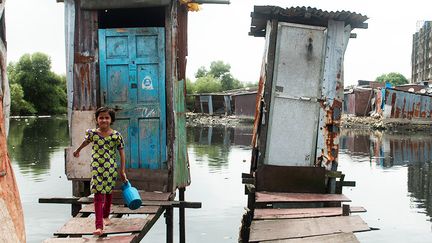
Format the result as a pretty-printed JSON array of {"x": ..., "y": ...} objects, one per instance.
[
  {"x": 281, "y": 197},
  {"x": 133, "y": 229},
  {"x": 277, "y": 218},
  {"x": 333, "y": 238},
  {"x": 294, "y": 213},
  {"x": 116, "y": 238},
  {"x": 262, "y": 230}
]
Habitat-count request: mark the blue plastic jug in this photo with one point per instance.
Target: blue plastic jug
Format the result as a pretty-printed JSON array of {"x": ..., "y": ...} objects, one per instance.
[{"x": 131, "y": 196}]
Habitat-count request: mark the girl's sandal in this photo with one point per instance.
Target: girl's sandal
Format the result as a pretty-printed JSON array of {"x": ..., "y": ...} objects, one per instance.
[{"x": 98, "y": 232}]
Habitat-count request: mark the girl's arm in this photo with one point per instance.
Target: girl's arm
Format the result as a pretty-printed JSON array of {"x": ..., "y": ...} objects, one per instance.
[
  {"x": 122, "y": 164},
  {"x": 77, "y": 151}
]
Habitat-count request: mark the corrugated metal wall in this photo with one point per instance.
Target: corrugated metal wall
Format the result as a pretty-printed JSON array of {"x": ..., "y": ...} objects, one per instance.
[{"x": 407, "y": 105}]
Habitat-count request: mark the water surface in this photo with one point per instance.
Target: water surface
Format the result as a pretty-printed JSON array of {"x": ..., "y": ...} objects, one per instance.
[{"x": 393, "y": 173}]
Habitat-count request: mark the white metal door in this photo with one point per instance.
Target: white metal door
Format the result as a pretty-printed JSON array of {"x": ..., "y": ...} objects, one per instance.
[{"x": 294, "y": 108}]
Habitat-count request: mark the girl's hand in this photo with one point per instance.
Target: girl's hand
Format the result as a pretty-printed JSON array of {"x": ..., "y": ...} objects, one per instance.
[
  {"x": 76, "y": 153},
  {"x": 123, "y": 176}
]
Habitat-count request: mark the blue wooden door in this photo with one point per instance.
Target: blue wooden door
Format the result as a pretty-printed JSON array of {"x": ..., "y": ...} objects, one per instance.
[{"x": 132, "y": 81}]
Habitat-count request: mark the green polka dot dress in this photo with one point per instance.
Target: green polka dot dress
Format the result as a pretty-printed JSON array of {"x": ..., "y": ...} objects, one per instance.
[{"x": 104, "y": 166}]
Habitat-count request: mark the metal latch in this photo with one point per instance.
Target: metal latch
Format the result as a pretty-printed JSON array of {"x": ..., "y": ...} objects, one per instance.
[{"x": 301, "y": 98}]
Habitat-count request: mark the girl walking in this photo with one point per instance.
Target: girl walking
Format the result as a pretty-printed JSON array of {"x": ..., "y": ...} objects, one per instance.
[{"x": 104, "y": 167}]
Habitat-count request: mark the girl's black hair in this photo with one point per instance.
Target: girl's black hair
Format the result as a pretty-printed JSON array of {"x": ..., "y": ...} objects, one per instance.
[{"x": 110, "y": 111}]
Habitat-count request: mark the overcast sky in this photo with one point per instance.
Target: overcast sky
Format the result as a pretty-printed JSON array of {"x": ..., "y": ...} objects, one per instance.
[{"x": 220, "y": 32}]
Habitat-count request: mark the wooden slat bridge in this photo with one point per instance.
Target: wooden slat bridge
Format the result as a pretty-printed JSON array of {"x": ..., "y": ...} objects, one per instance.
[
  {"x": 291, "y": 204},
  {"x": 122, "y": 229},
  {"x": 312, "y": 222}
]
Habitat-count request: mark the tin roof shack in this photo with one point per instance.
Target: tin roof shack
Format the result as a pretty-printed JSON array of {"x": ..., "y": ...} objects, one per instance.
[
  {"x": 11, "y": 213},
  {"x": 358, "y": 102},
  {"x": 298, "y": 114},
  {"x": 244, "y": 104},
  {"x": 370, "y": 84},
  {"x": 411, "y": 87},
  {"x": 403, "y": 105},
  {"x": 213, "y": 103}
]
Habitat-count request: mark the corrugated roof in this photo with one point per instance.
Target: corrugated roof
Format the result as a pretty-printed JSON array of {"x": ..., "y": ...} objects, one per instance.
[{"x": 302, "y": 15}]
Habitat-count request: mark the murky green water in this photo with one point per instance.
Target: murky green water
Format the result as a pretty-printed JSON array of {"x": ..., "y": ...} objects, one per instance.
[{"x": 393, "y": 175}]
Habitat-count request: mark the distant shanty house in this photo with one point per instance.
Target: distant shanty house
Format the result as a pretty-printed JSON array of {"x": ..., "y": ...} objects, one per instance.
[
  {"x": 358, "y": 101},
  {"x": 421, "y": 57},
  {"x": 370, "y": 84},
  {"x": 240, "y": 102},
  {"x": 411, "y": 87},
  {"x": 244, "y": 103}
]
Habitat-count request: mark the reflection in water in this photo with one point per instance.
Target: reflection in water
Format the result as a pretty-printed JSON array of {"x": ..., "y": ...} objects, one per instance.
[
  {"x": 215, "y": 144},
  {"x": 388, "y": 150},
  {"x": 420, "y": 185},
  {"x": 32, "y": 140}
]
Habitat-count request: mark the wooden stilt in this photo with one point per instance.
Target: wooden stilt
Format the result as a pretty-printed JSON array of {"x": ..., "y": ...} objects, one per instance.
[
  {"x": 169, "y": 225},
  {"x": 182, "y": 228}
]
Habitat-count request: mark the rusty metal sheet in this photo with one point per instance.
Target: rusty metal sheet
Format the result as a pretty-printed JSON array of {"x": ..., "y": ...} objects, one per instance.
[
  {"x": 407, "y": 105},
  {"x": 290, "y": 179},
  {"x": 302, "y": 15},
  {"x": 332, "y": 98},
  {"x": 11, "y": 213},
  {"x": 85, "y": 226},
  {"x": 85, "y": 62}
]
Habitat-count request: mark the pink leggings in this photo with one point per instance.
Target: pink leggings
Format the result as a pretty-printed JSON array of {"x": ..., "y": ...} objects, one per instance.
[{"x": 102, "y": 205}]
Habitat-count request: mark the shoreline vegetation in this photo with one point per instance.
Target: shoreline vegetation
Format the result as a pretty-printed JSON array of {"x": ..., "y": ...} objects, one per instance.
[{"x": 349, "y": 122}]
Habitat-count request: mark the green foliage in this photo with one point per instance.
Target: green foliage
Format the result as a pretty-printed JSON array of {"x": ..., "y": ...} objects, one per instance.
[
  {"x": 217, "y": 79},
  {"x": 42, "y": 88},
  {"x": 18, "y": 105},
  {"x": 393, "y": 78},
  {"x": 202, "y": 71},
  {"x": 207, "y": 84},
  {"x": 190, "y": 100},
  {"x": 189, "y": 86}
]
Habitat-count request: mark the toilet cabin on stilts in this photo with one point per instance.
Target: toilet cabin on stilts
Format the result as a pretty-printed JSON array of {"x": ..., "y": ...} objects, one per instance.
[{"x": 130, "y": 56}]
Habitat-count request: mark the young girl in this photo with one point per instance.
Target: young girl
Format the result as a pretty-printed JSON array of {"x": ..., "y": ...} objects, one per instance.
[{"x": 104, "y": 167}]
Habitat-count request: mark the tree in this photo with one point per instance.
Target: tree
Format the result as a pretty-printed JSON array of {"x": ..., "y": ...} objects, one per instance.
[
  {"x": 207, "y": 84},
  {"x": 202, "y": 71},
  {"x": 18, "y": 105},
  {"x": 42, "y": 88},
  {"x": 218, "y": 78},
  {"x": 393, "y": 78}
]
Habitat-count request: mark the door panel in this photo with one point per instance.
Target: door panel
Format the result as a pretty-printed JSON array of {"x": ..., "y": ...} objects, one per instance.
[
  {"x": 118, "y": 77},
  {"x": 151, "y": 155},
  {"x": 148, "y": 83},
  {"x": 296, "y": 90},
  {"x": 132, "y": 70}
]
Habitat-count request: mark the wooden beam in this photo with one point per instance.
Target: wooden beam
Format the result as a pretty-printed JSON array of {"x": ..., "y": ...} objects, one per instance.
[
  {"x": 86, "y": 200},
  {"x": 273, "y": 197},
  {"x": 262, "y": 230},
  {"x": 297, "y": 213}
]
